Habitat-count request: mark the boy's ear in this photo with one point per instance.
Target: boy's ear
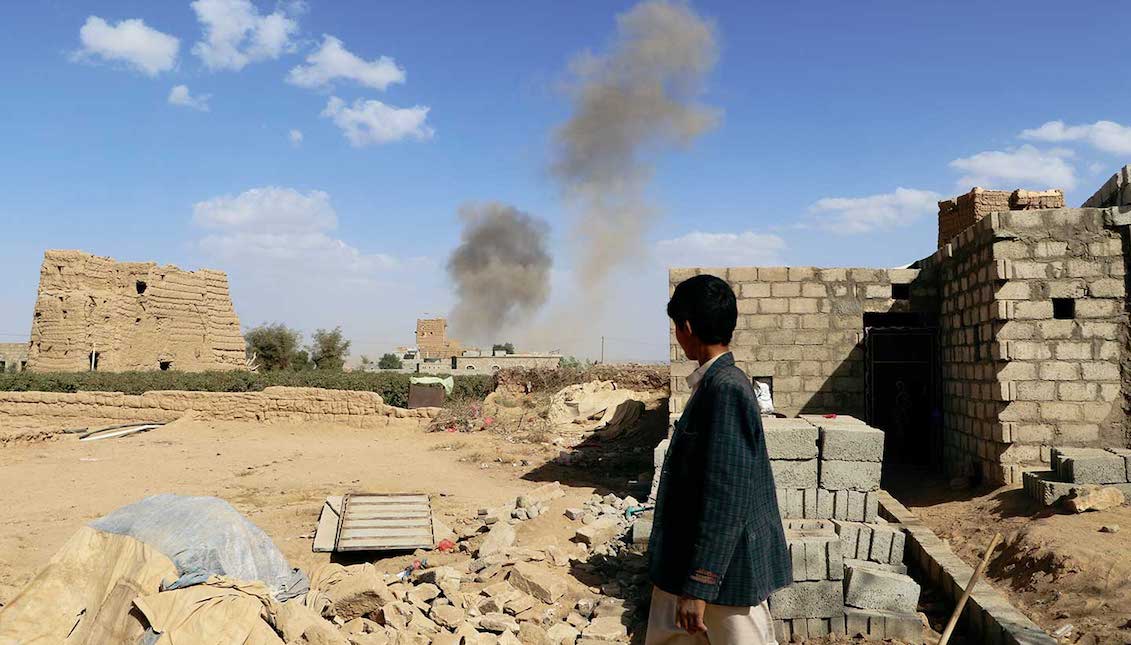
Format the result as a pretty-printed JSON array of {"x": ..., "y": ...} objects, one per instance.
[{"x": 687, "y": 328}]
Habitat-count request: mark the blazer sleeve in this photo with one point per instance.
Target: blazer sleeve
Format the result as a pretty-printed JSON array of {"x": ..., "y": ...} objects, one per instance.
[{"x": 728, "y": 488}]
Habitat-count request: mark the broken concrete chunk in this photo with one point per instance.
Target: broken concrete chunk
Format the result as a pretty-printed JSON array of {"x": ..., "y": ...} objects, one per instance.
[
  {"x": 497, "y": 622},
  {"x": 601, "y": 530},
  {"x": 499, "y": 538},
  {"x": 447, "y": 616},
  {"x": 1094, "y": 498},
  {"x": 562, "y": 634},
  {"x": 538, "y": 582},
  {"x": 871, "y": 588},
  {"x": 531, "y": 634},
  {"x": 606, "y": 628},
  {"x": 360, "y": 592}
]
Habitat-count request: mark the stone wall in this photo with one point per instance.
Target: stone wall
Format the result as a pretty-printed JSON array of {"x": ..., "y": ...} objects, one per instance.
[
  {"x": 803, "y": 327},
  {"x": 13, "y": 357},
  {"x": 132, "y": 316},
  {"x": 363, "y": 409}
]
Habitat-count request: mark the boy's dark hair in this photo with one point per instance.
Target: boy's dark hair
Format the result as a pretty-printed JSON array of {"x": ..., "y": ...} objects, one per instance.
[{"x": 708, "y": 303}]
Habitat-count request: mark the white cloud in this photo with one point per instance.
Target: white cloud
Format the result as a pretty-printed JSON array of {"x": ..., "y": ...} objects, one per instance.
[
  {"x": 721, "y": 249},
  {"x": 1106, "y": 136},
  {"x": 332, "y": 61},
  {"x": 129, "y": 41},
  {"x": 283, "y": 210},
  {"x": 1023, "y": 167},
  {"x": 235, "y": 33},
  {"x": 296, "y": 137},
  {"x": 848, "y": 215},
  {"x": 180, "y": 95},
  {"x": 281, "y": 231},
  {"x": 373, "y": 122}
]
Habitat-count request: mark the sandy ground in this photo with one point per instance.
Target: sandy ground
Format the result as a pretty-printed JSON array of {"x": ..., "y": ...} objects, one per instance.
[
  {"x": 1059, "y": 569},
  {"x": 278, "y": 475}
]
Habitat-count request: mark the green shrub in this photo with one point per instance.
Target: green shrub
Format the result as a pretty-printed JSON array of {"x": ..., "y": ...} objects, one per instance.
[{"x": 392, "y": 386}]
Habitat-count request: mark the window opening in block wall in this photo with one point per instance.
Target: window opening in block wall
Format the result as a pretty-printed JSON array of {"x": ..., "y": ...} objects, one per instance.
[
  {"x": 900, "y": 291},
  {"x": 165, "y": 365},
  {"x": 140, "y": 286},
  {"x": 1063, "y": 308},
  {"x": 764, "y": 389},
  {"x": 94, "y": 357}
]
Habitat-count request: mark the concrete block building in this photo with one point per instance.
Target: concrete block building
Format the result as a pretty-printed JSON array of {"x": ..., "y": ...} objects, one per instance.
[
  {"x": 1011, "y": 338},
  {"x": 13, "y": 357}
]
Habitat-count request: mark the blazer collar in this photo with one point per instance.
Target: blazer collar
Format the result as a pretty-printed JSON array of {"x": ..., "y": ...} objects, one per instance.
[{"x": 721, "y": 362}]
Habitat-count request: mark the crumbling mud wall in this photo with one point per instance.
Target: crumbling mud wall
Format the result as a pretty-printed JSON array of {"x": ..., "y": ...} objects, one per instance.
[
  {"x": 131, "y": 316},
  {"x": 958, "y": 214},
  {"x": 804, "y": 327},
  {"x": 314, "y": 405}
]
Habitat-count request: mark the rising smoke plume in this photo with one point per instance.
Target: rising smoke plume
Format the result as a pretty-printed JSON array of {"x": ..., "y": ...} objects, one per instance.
[
  {"x": 501, "y": 270},
  {"x": 628, "y": 104}
]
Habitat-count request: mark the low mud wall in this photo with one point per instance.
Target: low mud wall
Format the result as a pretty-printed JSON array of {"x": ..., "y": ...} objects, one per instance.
[{"x": 355, "y": 408}]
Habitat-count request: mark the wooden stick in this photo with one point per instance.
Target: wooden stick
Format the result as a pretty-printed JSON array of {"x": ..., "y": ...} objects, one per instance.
[{"x": 969, "y": 589}]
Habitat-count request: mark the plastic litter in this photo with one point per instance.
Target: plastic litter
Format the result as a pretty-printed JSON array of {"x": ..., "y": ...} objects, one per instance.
[{"x": 205, "y": 536}]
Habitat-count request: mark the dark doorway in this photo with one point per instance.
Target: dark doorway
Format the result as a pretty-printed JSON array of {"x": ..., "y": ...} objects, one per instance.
[{"x": 901, "y": 376}]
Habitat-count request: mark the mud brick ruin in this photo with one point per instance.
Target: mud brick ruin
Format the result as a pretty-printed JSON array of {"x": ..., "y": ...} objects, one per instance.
[
  {"x": 432, "y": 339},
  {"x": 1009, "y": 340},
  {"x": 93, "y": 313}
]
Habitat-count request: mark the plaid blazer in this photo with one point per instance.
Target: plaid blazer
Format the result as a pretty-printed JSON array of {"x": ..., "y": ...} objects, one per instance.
[{"x": 717, "y": 534}]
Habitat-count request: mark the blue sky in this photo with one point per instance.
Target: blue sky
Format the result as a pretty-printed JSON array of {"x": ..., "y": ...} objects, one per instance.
[{"x": 828, "y": 109}]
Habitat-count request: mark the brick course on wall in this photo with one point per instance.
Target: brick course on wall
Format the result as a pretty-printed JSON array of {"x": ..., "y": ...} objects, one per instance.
[
  {"x": 135, "y": 315},
  {"x": 804, "y": 327}
]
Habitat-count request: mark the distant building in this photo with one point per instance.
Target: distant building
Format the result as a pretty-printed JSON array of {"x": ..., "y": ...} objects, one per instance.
[
  {"x": 435, "y": 353},
  {"x": 432, "y": 338},
  {"x": 13, "y": 357},
  {"x": 95, "y": 314}
]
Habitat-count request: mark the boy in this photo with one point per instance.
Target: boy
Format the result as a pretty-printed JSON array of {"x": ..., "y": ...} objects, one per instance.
[{"x": 717, "y": 548}]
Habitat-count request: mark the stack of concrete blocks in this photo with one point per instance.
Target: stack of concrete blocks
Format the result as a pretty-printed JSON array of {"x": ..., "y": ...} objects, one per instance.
[
  {"x": 1076, "y": 468},
  {"x": 848, "y": 570},
  {"x": 825, "y": 467}
]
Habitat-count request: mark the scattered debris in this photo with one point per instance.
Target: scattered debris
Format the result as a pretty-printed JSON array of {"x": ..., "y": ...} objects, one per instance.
[{"x": 118, "y": 431}]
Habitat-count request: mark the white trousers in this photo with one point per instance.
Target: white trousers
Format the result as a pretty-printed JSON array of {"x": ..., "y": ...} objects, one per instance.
[{"x": 725, "y": 625}]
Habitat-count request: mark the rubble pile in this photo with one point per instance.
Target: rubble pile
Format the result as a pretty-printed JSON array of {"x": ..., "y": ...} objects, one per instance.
[{"x": 490, "y": 589}]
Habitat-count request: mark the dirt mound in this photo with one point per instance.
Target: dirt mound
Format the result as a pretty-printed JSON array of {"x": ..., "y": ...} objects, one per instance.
[{"x": 1069, "y": 571}]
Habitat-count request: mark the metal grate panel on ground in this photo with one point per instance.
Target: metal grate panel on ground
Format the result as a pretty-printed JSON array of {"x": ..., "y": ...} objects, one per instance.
[{"x": 383, "y": 522}]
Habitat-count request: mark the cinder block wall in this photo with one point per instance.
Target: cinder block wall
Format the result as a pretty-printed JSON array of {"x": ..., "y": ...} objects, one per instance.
[
  {"x": 1060, "y": 376},
  {"x": 1016, "y": 378},
  {"x": 804, "y": 327},
  {"x": 963, "y": 271}
]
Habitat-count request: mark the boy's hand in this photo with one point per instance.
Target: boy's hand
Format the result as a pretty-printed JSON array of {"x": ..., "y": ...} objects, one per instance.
[{"x": 689, "y": 614}]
